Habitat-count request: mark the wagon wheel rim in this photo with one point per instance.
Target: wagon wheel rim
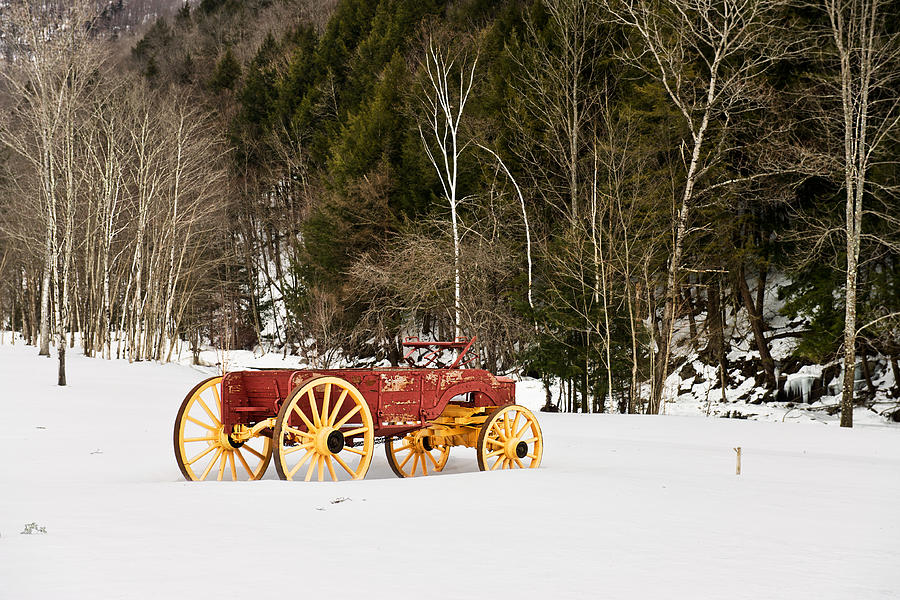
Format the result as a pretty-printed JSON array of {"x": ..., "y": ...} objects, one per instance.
[
  {"x": 202, "y": 448},
  {"x": 318, "y": 431},
  {"x": 409, "y": 456},
  {"x": 510, "y": 439}
]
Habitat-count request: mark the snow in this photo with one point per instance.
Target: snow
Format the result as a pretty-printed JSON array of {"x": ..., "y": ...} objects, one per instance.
[{"x": 623, "y": 506}]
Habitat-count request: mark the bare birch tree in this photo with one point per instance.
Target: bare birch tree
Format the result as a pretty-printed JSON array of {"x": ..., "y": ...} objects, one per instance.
[
  {"x": 450, "y": 80},
  {"x": 48, "y": 73},
  {"x": 867, "y": 48}
]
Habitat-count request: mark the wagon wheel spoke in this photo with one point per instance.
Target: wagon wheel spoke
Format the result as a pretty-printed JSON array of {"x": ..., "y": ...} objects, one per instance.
[
  {"x": 322, "y": 458},
  {"x": 344, "y": 465},
  {"x": 209, "y": 412},
  {"x": 330, "y": 468},
  {"x": 347, "y": 417},
  {"x": 309, "y": 454},
  {"x": 211, "y": 464},
  {"x": 312, "y": 467},
  {"x": 522, "y": 431},
  {"x": 298, "y": 432},
  {"x": 200, "y": 439},
  {"x": 218, "y": 398},
  {"x": 200, "y": 423},
  {"x": 306, "y": 446},
  {"x": 337, "y": 408},
  {"x": 313, "y": 408},
  {"x": 254, "y": 452},
  {"x": 222, "y": 465},
  {"x": 356, "y": 431},
  {"x": 243, "y": 460},
  {"x": 323, "y": 418},
  {"x": 408, "y": 454},
  {"x": 233, "y": 466},
  {"x": 201, "y": 455},
  {"x": 406, "y": 460}
]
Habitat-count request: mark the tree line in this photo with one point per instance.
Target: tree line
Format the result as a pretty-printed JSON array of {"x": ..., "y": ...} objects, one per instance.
[{"x": 573, "y": 181}]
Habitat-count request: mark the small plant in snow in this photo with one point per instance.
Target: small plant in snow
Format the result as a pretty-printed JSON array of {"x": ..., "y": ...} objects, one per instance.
[{"x": 32, "y": 528}]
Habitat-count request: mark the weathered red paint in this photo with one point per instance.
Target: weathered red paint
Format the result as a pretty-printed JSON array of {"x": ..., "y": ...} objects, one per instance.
[{"x": 401, "y": 399}]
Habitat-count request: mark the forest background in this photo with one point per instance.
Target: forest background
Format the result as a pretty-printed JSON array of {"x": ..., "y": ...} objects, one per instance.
[{"x": 597, "y": 189}]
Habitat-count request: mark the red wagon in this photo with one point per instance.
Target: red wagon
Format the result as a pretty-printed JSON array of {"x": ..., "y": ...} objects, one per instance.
[{"x": 323, "y": 422}]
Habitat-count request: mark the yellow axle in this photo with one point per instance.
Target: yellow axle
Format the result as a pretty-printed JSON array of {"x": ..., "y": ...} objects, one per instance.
[{"x": 457, "y": 426}]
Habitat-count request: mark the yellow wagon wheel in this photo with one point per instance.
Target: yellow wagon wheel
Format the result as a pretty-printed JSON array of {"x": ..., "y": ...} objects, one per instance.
[
  {"x": 414, "y": 455},
  {"x": 203, "y": 449},
  {"x": 316, "y": 427},
  {"x": 510, "y": 439}
]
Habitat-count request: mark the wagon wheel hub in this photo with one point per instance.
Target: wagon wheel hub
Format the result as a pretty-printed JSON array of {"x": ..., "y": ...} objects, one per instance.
[
  {"x": 422, "y": 444},
  {"x": 509, "y": 448},
  {"x": 335, "y": 442},
  {"x": 224, "y": 440},
  {"x": 515, "y": 448},
  {"x": 329, "y": 441},
  {"x": 521, "y": 449}
]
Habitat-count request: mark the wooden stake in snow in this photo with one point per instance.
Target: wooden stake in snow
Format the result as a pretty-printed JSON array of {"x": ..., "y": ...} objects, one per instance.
[{"x": 737, "y": 470}]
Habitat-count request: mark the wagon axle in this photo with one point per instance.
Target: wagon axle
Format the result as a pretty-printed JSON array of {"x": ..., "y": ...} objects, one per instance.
[
  {"x": 335, "y": 442},
  {"x": 521, "y": 450}
]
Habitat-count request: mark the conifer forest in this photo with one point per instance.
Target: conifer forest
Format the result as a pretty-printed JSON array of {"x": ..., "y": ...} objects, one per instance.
[{"x": 612, "y": 195}]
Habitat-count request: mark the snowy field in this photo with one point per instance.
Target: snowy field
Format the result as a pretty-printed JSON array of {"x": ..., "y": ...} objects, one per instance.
[{"x": 622, "y": 507}]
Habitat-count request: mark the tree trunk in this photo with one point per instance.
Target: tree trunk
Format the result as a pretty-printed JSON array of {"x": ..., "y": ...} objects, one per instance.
[
  {"x": 895, "y": 369},
  {"x": 61, "y": 379},
  {"x": 756, "y": 324},
  {"x": 692, "y": 322},
  {"x": 45, "y": 303},
  {"x": 715, "y": 328},
  {"x": 761, "y": 290},
  {"x": 867, "y": 371},
  {"x": 585, "y": 384},
  {"x": 854, "y": 206},
  {"x": 634, "y": 297}
]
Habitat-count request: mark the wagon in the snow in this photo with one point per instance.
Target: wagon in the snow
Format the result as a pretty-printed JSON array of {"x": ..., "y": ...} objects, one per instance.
[{"x": 322, "y": 423}]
